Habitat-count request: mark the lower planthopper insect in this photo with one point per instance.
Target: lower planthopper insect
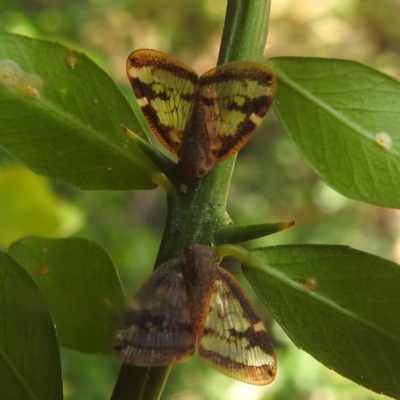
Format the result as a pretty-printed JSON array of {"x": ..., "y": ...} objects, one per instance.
[{"x": 191, "y": 302}]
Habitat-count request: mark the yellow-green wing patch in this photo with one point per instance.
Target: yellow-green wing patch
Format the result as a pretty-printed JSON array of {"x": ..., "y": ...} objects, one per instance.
[
  {"x": 164, "y": 88},
  {"x": 235, "y": 98}
]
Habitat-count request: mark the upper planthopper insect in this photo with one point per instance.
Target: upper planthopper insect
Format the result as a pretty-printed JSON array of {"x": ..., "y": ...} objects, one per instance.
[
  {"x": 203, "y": 120},
  {"x": 191, "y": 302}
]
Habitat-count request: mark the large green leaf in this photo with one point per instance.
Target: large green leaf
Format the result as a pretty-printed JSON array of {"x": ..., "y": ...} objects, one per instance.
[
  {"x": 30, "y": 366},
  {"x": 338, "y": 304},
  {"x": 72, "y": 131},
  {"x": 81, "y": 286},
  {"x": 344, "y": 118}
]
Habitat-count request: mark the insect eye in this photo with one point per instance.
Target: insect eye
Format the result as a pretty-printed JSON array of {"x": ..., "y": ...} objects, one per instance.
[{"x": 202, "y": 171}]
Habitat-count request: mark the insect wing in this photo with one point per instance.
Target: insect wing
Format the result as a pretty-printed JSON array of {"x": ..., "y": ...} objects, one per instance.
[
  {"x": 157, "y": 329},
  {"x": 234, "y": 340},
  {"x": 164, "y": 88},
  {"x": 235, "y": 98}
]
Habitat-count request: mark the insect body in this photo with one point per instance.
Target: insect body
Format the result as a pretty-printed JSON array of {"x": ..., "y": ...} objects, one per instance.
[{"x": 203, "y": 120}]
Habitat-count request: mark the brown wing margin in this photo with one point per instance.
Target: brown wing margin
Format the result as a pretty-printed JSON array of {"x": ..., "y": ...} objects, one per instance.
[{"x": 164, "y": 89}]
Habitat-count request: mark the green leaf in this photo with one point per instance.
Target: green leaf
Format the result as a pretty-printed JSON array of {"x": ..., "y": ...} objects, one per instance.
[
  {"x": 344, "y": 118},
  {"x": 72, "y": 131},
  {"x": 81, "y": 287},
  {"x": 338, "y": 304},
  {"x": 30, "y": 366},
  {"x": 29, "y": 207}
]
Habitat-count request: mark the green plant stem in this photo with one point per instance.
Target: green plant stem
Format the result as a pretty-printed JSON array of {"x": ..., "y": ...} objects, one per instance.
[
  {"x": 197, "y": 210},
  {"x": 245, "y": 31}
]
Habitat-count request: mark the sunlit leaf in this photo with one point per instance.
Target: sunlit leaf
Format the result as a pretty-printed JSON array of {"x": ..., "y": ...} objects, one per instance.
[
  {"x": 30, "y": 366},
  {"x": 29, "y": 207},
  {"x": 81, "y": 286},
  {"x": 66, "y": 125},
  {"x": 344, "y": 118},
  {"x": 338, "y": 304}
]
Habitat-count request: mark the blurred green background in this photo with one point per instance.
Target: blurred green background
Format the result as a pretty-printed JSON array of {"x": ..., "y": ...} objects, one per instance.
[{"x": 270, "y": 183}]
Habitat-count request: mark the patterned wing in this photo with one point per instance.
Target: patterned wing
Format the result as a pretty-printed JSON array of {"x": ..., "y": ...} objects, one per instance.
[
  {"x": 157, "y": 329},
  {"x": 164, "y": 88},
  {"x": 235, "y": 98},
  {"x": 234, "y": 340}
]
